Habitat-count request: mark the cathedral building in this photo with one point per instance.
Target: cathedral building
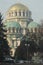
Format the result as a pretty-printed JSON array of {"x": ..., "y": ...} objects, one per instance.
[{"x": 18, "y": 20}]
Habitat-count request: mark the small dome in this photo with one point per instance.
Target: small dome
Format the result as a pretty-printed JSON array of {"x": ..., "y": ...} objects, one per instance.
[
  {"x": 33, "y": 25},
  {"x": 12, "y": 24}
]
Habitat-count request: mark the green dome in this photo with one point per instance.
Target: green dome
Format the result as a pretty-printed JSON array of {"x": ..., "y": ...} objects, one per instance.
[
  {"x": 12, "y": 24},
  {"x": 33, "y": 25}
]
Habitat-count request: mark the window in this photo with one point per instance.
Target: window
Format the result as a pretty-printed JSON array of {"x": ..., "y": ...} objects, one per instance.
[
  {"x": 19, "y": 13},
  {"x": 23, "y": 13},
  {"x": 13, "y": 43},
  {"x": 17, "y": 30},
  {"x": 35, "y": 29},
  {"x": 21, "y": 30},
  {"x": 9, "y": 14},
  {"x": 13, "y": 29},
  {"x": 18, "y": 42},
  {"x": 15, "y": 13},
  {"x": 12, "y": 14},
  {"x": 26, "y": 13},
  {"x": 9, "y": 29},
  {"x": 31, "y": 30}
]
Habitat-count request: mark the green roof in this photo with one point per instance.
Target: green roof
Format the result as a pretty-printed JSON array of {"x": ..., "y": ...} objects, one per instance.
[
  {"x": 33, "y": 25},
  {"x": 12, "y": 24}
]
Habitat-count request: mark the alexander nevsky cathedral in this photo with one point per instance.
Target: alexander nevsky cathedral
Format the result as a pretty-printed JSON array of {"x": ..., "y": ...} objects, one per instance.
[{"x": 18, "y": 20}]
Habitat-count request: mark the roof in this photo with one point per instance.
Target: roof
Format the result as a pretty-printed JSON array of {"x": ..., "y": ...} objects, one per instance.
[
  {"x": 18, "y": 6},
  {"x": 12, "y": 24},
  {"x": 33, "y": 25}
]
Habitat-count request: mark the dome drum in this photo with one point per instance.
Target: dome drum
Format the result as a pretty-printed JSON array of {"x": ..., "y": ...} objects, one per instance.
[
  {"x": 33, "y": 27},
  {"x": 18, "y": 14},
  {"x": 13, "y": 27}
]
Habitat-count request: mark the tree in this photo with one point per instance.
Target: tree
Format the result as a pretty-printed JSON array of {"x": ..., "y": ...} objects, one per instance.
[
  {"x": 26, "y": 49},
  {"x": 4, "y": 48},
  {"x": 41, "y": 45}
]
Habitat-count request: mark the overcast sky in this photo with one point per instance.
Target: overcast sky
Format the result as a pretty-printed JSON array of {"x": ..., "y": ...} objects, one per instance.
[{"x": 35, "y": 6}]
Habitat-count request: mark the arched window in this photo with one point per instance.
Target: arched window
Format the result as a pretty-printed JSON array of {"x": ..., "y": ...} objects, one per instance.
[
  {"x": 26, "y": 13},
  {"x": 9, "y": 29},
  {"x": 23, "y": 13},
  {"x": 19, "y": 13},
  {"x": 9, "y": 14},
  {"x": 21, "y": 30},
  {"x": 17, "y": 30},
  {"x": 15, "y": 13},
  {"x": 12, "y": 14},
  {"x": 31, "y": 30},
  {"x": 13, "y": 29},
  {"x": 13, "y": 43},
  {"x": 35, "y": 29}
]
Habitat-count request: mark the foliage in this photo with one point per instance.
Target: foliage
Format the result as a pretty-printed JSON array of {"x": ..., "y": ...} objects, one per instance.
[
  {"x": 26, "y": 49},
  {"x": 41, "y": 45},
  {"x": 4, "y": 48}
]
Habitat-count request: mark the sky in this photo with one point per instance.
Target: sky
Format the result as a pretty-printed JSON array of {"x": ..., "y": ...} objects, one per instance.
[{"x": 35, "y": 6}]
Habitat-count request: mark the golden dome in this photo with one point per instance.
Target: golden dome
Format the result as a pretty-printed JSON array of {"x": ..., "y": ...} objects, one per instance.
[
  {"x": 18, "y": 6},
  {"x": 17, "y": 11}
]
